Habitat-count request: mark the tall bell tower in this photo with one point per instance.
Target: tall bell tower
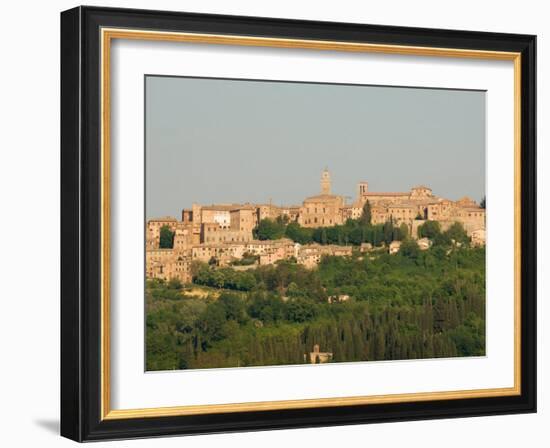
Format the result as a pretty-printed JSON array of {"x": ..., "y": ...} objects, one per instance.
[
  {"x": 325, "y": 182},
  {"x": 362, "y": 189}
]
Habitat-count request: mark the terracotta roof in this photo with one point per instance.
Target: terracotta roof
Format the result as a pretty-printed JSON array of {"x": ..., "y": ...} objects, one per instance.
[
  {"x": 386, "y": 194},
  {"x": 402, "y": 205},
  {"x": 322, "y": 197},
  {"x": 163, "y": 218},
  {"x": 228, "y": 207},
  {"x": 472, "y": 209}
]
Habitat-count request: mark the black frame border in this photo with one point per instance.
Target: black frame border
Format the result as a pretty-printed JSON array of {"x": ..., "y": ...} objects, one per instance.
[{"x": 81, "y": 223}]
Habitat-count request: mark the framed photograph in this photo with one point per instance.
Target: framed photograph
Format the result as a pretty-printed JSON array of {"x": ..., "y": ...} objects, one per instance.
[{"x": 273, "y": 223}]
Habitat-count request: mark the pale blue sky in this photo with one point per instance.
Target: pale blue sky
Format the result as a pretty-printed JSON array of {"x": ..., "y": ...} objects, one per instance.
[{"x": 218, "y": 141}]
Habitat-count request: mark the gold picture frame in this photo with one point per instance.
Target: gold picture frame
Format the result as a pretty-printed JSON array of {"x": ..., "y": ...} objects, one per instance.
[{"x": 108, "y": 30}]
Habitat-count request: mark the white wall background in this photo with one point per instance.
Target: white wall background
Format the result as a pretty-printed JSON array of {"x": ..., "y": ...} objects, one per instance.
[{"x": 29, "y": 220}]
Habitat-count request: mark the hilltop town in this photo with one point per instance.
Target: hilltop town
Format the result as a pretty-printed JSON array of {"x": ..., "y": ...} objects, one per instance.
[{"x": 227, "y": 234}]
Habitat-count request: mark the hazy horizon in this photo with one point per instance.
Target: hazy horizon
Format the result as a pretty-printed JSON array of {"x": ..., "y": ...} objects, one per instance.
[{"x": 234, "y": 141}]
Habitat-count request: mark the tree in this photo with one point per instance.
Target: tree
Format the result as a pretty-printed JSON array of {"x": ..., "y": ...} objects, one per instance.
[
  {"x": 366, "y": 217},
  {"x": 298, "y": 233},
  {"x": 270, "y": 230},
  {"x": 166, "y": 238},
  {"x": 409, "y": 248},
  {"x": 483, "y": 202},
  {"x": 430, "y": 229},
  {"x": 212, "y": 321},
  {"x": 175, "y": 283},
  {"x": 356, "y": 235},
  {"x": 245, "y": 281},
  {"x": 387, "y": 230},
  {"x": 233, "y": 306},
  {"x": 457, "y": 233},
  {"x": 401, "y": 233},
  {"x": 300, "y": 310},
  {"x": 293, "y": 290},
  {"x": 282, "y": 220},
  {"x": 324, "y": 237},
  {"x": 198, "y": 267}
]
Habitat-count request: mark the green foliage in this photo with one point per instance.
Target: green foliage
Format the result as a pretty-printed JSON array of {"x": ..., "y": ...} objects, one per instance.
[
  {"x": 453, "y": 235},
  {"x": 354, "y": 231},
  {"x": 159, "y": 289},
  {"x": 175, "y": 283},
  {"x": 246, "y": 260},
  {"x": 269, "y": 229},
  {"x": 483, "y": 202},
  {"x": 298, "y": 233},
  {"x": 401, "y": 233},
  {"x": 388, "y": 231},
  {"x": 300, "y": 310},
  {"x": 171, "y": 332},
  {"x": 224, "y": 278},
  {"x": 234, "y": 307},
  {"x": 268, "y": 308},
  {"x": 469, "y": 337},
  {"x": 430, "y": 229},
  {"x": 166, "y": 238},
  {"x": 417, "y": 304},
  {"x": 409, "y": 248},
  {"x": 457, "y": 234},
  {"x": 211, "y": 324},
  {"x": 282, "y": 220},
  {"x": 366, "y": 217}
]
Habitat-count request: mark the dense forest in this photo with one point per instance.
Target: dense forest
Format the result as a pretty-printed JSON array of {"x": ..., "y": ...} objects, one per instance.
[{"x": 415, "y": 304}]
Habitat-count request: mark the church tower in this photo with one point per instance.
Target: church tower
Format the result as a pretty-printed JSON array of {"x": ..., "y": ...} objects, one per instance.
[
  {"x": 325, "y": 182},
  {"x": 362, "y": 189}
]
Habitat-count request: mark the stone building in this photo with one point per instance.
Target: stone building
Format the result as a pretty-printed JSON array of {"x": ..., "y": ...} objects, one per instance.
[
  {"x": 317, "y": 356},
  {"x": 420, "y": 204},
  {"x": 365, "y": 247},
  {"x": 310, "y": 255},
  {"x": 166, "y": 264},
  {"x": 478, "y": 237},
  {"x": 214, "y": 233},
  {"x": 225, "y": 231},
  {"x": 277, "y": 253},
  {"x": 152, "y": 231},
  {"x": 394, "y": 247},
  {"x": 269, "y": 251},
  {"x": 424, "y": 243},
  {"x": 284, "y": 246},
  {"x": 223, "y": 253},
  {"x": 184, "y": 237},
  {"x": 219, "y": 214},
  {"x": 243, "y": 218},
  {"x": 225, "y": 223},
  {"x": 169, "y": 263},
  {"x": 323, "y": 210}
]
